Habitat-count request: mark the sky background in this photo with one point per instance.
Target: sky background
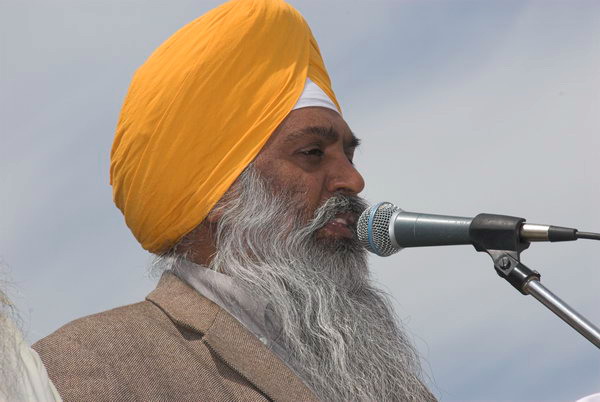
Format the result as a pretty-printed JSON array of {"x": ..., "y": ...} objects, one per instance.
[{"x": 463, "y": 107}]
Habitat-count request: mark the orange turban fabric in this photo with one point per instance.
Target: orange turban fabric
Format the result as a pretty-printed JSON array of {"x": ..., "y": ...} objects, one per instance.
[{"x": 199, "y": 110}]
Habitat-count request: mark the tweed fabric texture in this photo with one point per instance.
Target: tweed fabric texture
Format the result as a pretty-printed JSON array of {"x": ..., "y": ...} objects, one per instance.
[{"x": 175, "y": 345}]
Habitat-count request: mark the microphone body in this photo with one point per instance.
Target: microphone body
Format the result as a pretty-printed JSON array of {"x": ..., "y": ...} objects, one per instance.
[
  {"x": 385, "y": 229},
  {"x": 412, "y": 229}
]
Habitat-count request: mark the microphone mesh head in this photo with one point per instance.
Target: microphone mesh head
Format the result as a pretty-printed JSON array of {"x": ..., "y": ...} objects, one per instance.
[{"x": 373, "y": 229}]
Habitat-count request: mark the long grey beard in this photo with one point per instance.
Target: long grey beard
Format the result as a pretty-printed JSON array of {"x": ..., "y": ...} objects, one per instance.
[{"x": 339, "y": 329}]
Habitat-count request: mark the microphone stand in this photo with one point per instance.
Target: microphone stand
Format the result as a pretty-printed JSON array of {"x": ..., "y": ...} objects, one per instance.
[{"x": 498, "y": 236}]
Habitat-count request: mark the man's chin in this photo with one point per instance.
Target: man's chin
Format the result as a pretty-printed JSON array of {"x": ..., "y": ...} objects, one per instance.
[{"x": 335, "y": 241}]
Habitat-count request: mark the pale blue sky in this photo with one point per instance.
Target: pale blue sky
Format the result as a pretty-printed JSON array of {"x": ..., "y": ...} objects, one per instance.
[{"x": 463, "y": 107}]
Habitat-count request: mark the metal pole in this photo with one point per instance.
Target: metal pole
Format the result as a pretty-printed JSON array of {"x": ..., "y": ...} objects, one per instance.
[{"x": 564, "y": 311}]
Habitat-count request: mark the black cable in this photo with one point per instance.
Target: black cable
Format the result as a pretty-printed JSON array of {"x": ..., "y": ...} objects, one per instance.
[{"x": 588, "y": 235}]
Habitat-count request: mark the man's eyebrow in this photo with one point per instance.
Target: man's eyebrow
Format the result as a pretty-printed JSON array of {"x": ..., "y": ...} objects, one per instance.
[{"x": 326, "y": 132}]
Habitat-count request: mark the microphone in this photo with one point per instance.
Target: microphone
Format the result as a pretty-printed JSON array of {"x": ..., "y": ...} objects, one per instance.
[{"x": 385, "y": 229}]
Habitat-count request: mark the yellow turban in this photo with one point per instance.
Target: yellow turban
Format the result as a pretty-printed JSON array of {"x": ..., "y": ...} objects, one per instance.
[{"x": 199, "y": 110}]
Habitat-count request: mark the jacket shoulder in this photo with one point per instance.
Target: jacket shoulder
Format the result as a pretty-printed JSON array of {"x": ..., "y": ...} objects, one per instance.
[
  {"x": 102, "y": 329},
  {"x": 137, "y": 352},
  {"x": 86, "y": 358}
]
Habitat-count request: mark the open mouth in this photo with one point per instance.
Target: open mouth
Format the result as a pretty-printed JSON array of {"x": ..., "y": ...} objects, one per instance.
[{"x": 342, "y": 225}]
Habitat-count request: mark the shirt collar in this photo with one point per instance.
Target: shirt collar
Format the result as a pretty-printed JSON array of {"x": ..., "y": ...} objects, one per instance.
[{"x": 251, "y": 311}]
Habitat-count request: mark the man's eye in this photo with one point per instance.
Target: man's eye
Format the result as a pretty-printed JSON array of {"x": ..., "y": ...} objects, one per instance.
[{"x": 313, "y": 152}]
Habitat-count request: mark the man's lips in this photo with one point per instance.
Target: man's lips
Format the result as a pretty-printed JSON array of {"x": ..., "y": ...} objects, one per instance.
[{"x": 341, "y": 225}]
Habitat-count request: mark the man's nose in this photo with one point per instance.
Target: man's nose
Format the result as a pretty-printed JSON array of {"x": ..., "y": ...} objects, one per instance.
[{"x": 345, "y": 178}]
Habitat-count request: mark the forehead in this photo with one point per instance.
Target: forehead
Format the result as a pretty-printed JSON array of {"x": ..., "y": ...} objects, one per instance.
[{"x": 310, "y": 117}]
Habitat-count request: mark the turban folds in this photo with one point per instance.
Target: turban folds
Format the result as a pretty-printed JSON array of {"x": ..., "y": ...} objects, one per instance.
[{"x": 199, "y": 110}]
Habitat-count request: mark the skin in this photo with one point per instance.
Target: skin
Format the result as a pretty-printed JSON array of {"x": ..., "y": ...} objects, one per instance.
[{"x": 310, "y": 153}]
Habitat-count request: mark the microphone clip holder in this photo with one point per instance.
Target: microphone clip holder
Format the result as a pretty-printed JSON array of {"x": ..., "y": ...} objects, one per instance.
[{"x": 499, "y": 237}]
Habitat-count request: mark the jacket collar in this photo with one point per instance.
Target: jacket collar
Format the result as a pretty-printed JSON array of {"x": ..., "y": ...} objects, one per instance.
[{"x": 229, "y": 339}]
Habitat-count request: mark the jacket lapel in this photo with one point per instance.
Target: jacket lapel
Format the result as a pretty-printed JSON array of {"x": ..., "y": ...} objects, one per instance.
[{"x": 239, "y": 348}]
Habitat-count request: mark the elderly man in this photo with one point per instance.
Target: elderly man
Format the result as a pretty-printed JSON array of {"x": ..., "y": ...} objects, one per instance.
[{"x": 233, "y": 164}]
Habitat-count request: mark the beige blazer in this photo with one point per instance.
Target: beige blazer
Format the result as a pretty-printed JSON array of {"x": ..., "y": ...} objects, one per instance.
[{"x": 175, "y": 345}]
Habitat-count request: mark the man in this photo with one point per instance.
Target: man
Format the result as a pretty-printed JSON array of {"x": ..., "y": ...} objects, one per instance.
[{"x": 232, "y": 163}]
